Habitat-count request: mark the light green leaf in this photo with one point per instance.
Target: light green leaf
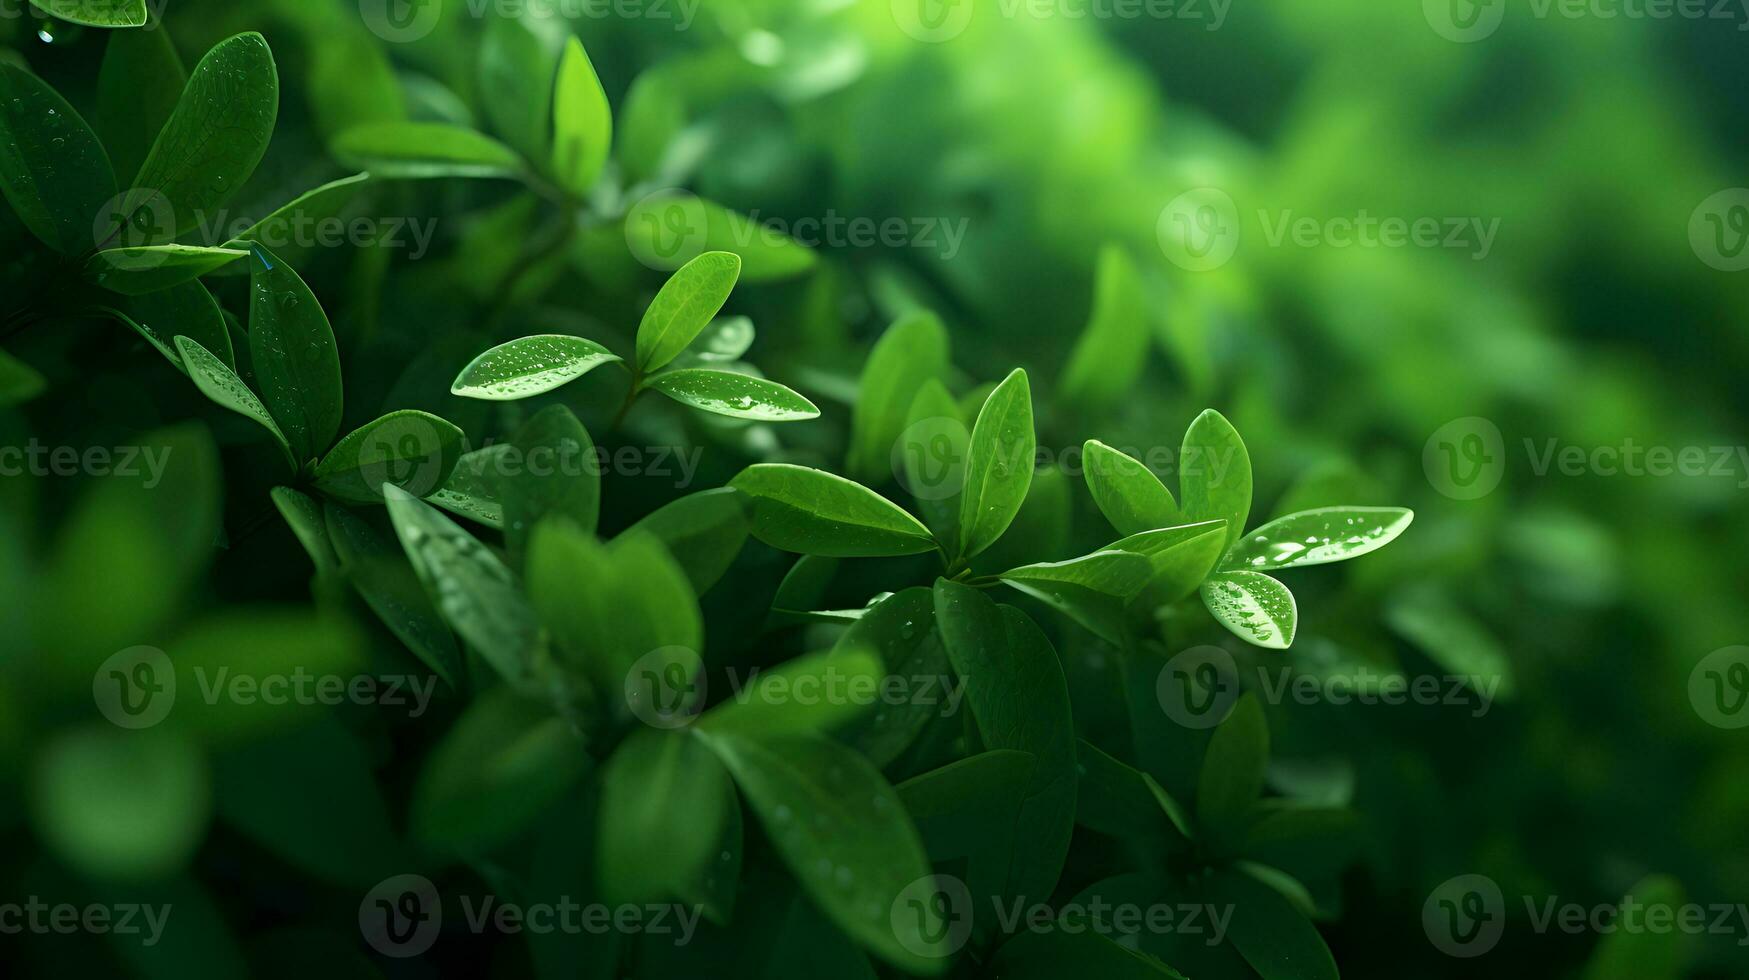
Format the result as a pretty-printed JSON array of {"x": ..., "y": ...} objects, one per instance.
[
  {"x": 582, "y": 122},
  {"x": 736, "y": 395},
  {"x": 684, "y": 307},
  {"x": 1181, "y": 556},
  {"x": 607, "y": 606},
  {"x": 1231, "y": 778},
  {"x": 844, "y": 834},
  {"x": 808, "y": 511},
  {"x": 669, "y": 229},
  {"x": 296, "y": 360},
  {"x": 911, "y": 352},
  {"x": 1214, "y": 474},
  {"x": 222, "y": 386},
  {"x": 476, "y": 593},
  {"x": 419, "y": 150},
  {"x": 380, "y": 572},
  {"x": 529, "y": 366},
  {"x": 999, "y": 465},
  {"x": 411, "y": 449},
  {"x": 52, "y": 169},
  {"x": 215, "y": 138},
  {"x": 149, "y": 268},
  {"x": 726, "y": 340},
  {"x": 1272, "y": 935},
  {"x": 472, "y": 490},
  {"x": 138, "y": 86},
  {"x": 497, "y": 769},
  {"x": 558, "y": 476},
  {"x": 653, "y": 115},
  {"x": 703, "y": 531},
  {"x": 1020, "y": 700},
  {"x": 97, "y": 13},
  {"x": 1255, "y": 607},
  {"x": 519, "y": 55},
  {"x": 1112, "y": 352},
  {"x": 1112, "y": 572},
  {"x": 1318, "y": 537},
  {"x": 813, "y": 694},
  {"x": 664, "y": 802},
  {"x": 1130, "y": 496},
  {"x": 934, "y": 443}
]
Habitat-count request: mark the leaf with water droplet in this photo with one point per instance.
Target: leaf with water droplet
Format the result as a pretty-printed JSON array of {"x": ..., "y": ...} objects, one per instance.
[
  {"x": 220, "y": 384},
  {"x": 562, "y": 478},
  {"x": 1255, "y": 607},
  {"x": 999, "y": 465},
  {"x": 684, "y": 307},
  {"x": 413, "y": 450},
  {"x": 53, "y": 171},
  {"x": 1318, "y": 537},
  {"x": 97, "y": 13},
  {"x": 733, "y": 394},
  {"x": 295, "y": 357},
  {"x": 900, "y": 630},
  {"x": 529, "y": 366},
  {"x": 1181, "y": 557},
  {"x": 383, "y": 577},
  {"x": 136, "y": 271}
]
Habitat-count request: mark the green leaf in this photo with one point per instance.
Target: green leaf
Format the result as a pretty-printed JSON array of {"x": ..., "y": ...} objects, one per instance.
[
  {"x": 1272, "y": 935},
  {"x": 582, "y": 122},
  {"x": 296, "y": 360},
  {"x": 135, "y": 271},
  {"x": 794, "y": 508},
  {"x": 121, "y": 805},
  {"x": 476, "y": 593},
  {"x": 420, "y": 150},
  {"x": 669, "y": 229},
  {"x": 1318, "y": 537},
  {"x": 138, "y": 86},
  {"x": 900, "y": 630},
  {"x": 1181, "y": 557},
  {"x": 1214, "y": 474},
  {"x": 1643, "y": 954},
  {"x": 1109, "y": 358},
  {"x": 813, "y": 694},
  {"x": 379, "y": 571},
  {"x": 215, "y": 138},
  {"x": 411, "y": 449},
  {"x": 97, "y": 13},
  {"x": 703, "y": 531},
  {"x": 736, "y": 395},
  {"x": 1117, "y": 799},
  {"x": 966, "y": 813},
  {"x": 279, "y": 229},
  {"x": 999, "y": 465},
  {"x": 607, "y": 606},
  {"x": 665, "y": 800},
  {"x": 1066, "y": 951},
  {"x": 188, "y": 310},
  {"x": 1255, "y": 607},
  {"x": 725, "y": 341},
  {"x": 303, "y": 514},
  {"x": 1130, "y": 496},
  {"x": 653, "y": 114},
  {"x": 519, "y": 55},
  {"x": 472, "y": 490},
  {"x": 1020, "y": 700},
  {"x": 1113, "y": 573},
  {"x": 844, "y": 834},
  {"x": 52, "y": 169},
  {"x": 222, "y": 386},
  {"x": 911, "y": 353},
  {"x": 19, "y": 382},
  {"x": 684, "y": 307},
  {"x": 558, "y": 476},
  {"x": 1232, "y": 771},
  {"x": 497, "y": 769},
  {"x": 529, "y": 366},
  {"x": 934, "y": 443}
]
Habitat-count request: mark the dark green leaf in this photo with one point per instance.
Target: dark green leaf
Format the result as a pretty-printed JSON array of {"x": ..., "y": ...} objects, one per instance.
[
  {"x": 808, "y": 511},
  {"x": 1181, "y": 557},
  {"x": 52, "y": 169},
  {"x": 1112, "y": 573},
  {"x": 704, "y": 532},
  {"x": 297, "y": 362},
  {"x": 519, "y": 56},
  {"x": 379, "y": 570},
  {"x": 664, "y": 802},
  {"x": 809, "y": 695},
  {"x": 1232, "y": 771},
  {"x": 222, "y": 386},
  {"x": 900, "y": 630},
  {"x": 558, "y": 476},
  {"x": 1272, "y": 935},
  {"x": 138, "y": 87},
  {"x": 412, "y": 450},
  {"x": 187, "y": 310},
  {"x": 135, "y": 271}
]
